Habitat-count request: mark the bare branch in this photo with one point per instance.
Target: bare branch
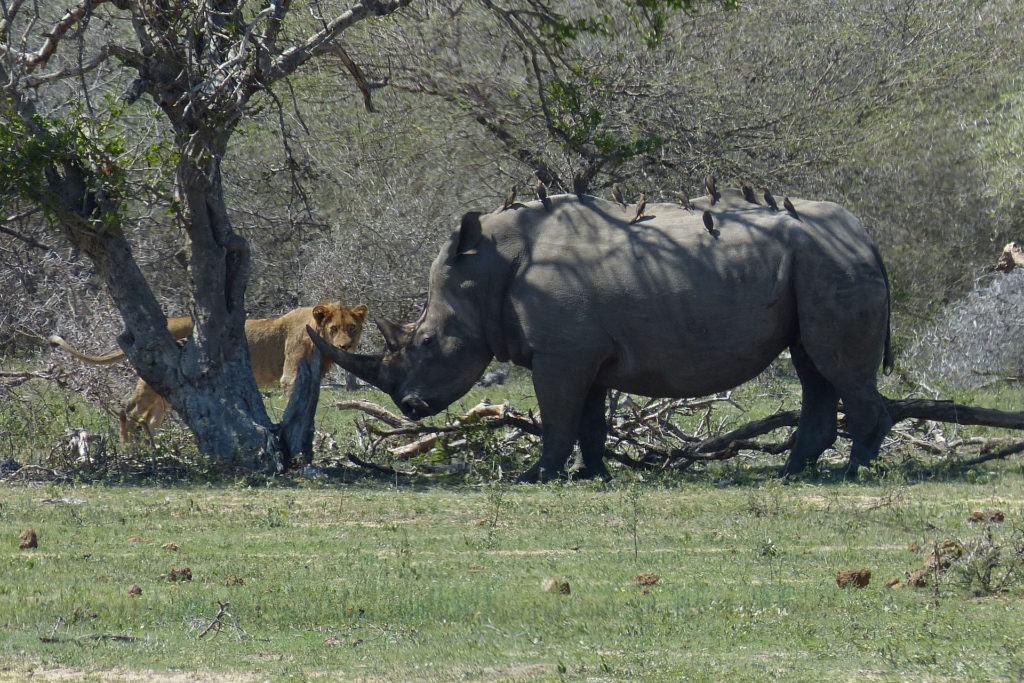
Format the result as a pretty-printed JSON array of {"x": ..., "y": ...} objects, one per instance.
[
  {"x": 316, "y": 45},
  {"x": 373, "y": 409},
  {"x": 58, "y": 31},
  {"x": 30, "y": 241},
  {"x": 357, "y": 75}
]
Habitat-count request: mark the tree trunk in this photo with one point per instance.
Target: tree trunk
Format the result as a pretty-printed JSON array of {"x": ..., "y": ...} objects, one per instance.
[{"x": 209, "y": 381}]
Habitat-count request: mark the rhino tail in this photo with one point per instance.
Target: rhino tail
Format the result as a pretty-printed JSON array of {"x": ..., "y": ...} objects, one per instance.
[
  {"x": 888, "y": 357},
  {"x": 888, "y": 360}
]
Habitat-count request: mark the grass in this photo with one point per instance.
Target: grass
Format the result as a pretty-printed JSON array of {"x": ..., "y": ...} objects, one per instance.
[
  {"x": 373, "y": 582},
  {"x": 358, "y": 577}
]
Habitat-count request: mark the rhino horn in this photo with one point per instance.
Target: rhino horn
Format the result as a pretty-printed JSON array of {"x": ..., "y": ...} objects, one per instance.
[{"x": 366, "y": 367}]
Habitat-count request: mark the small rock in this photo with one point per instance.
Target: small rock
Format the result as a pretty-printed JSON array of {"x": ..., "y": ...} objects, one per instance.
[
  {"x": 560, "y": 586},
  {"x": 170, "y": 546},
  {"x": 856, "y": 577},
  {"x": 28, "y": 539},
  {"x": 134, "y": 590}
]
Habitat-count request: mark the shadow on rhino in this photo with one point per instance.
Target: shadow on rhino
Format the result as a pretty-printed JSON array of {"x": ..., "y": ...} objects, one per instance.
[{"x": 661, "y": 307}]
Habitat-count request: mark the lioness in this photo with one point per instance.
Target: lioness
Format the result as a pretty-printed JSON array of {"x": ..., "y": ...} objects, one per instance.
[{"x": 275, "y": 346}]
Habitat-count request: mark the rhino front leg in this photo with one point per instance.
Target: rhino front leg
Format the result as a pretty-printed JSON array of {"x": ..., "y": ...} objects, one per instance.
[
  {"x": 593, "y": 433},
  {"x": 561, "y": 389}
]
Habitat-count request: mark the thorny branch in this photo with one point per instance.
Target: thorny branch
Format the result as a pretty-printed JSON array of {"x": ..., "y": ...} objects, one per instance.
[{"x": 217, "y": 625}]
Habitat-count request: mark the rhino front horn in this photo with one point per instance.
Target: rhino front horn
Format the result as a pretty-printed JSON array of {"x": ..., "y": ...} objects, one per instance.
[{"x": 366, "y": 367}]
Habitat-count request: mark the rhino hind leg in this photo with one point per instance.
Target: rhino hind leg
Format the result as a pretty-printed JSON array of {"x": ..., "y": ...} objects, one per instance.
[
  {"x": 817, "y": 429},
  {"x": 868, "y": 421},
  {"x": 593, "y": 433}
]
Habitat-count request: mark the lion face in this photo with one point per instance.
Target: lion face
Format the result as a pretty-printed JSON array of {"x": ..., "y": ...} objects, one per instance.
[{"x": 339, "y": 325}]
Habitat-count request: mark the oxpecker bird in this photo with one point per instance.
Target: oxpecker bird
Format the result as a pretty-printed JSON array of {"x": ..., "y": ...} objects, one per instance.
[
  {"x": 684, "y": 199},
  {"x": 641, "y": 205},
  {"x": 748, "y": 194},
  {"x": 542, "y": 194},
  {"x": 769, "y": 199},
  {"x": 709, "y": 184},
  {"x": 510, "y": 198},
  {"x": 579, "y": 184},
  {"x": 789, "y": 207},
  {"x": 709, "y": 222},
  {"x": 617, "y": 194}
]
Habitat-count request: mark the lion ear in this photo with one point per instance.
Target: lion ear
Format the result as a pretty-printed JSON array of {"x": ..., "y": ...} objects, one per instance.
[
  {"x": 359, "y": 312},
  {"x": 319, "y": 313}
]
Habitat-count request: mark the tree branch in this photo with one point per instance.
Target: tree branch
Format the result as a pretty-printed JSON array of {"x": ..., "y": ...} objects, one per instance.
[
  {"x": 30, "y": 241},
  {"x": 318, "y": 44},
  {"x": 32, "y": 60}
]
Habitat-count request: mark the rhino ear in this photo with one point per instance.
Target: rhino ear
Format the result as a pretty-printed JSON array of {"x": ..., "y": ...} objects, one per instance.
[
  {"x": 395, "y": 336},
  {"x": 463, "y": 242},
  {"x": 469, "y": 233}
]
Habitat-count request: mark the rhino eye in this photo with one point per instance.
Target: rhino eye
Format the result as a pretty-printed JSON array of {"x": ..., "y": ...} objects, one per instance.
[{"x": 427, "y": 340}]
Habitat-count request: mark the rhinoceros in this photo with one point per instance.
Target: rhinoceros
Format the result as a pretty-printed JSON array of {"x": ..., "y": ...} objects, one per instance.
[{"x": 660, "y": 307}]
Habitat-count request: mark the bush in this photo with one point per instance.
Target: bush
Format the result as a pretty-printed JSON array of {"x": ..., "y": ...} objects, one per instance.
[{"x": 976, "y": 340}]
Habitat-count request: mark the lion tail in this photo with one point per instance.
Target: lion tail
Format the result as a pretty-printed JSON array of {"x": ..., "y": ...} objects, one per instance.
[{"x": 106, "y": 359}]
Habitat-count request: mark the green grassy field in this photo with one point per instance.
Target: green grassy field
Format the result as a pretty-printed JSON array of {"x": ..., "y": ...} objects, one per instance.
[
  {"x": 369, "y": 581},
  {"x": 715, "y": 573}
]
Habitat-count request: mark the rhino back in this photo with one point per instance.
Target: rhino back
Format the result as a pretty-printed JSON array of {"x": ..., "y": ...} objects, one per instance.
[{"x": 662, "y": 306}]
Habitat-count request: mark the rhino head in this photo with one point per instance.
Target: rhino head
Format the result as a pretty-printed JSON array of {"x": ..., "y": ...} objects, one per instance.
[{"x": 434, "y": 361}]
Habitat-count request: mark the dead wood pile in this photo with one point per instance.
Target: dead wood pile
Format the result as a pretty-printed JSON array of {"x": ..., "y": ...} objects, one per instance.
[{"x": 646, "y": 433}]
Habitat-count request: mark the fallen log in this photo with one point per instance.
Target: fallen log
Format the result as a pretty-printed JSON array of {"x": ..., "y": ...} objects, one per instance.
[
  {"x": 957, "y": 413},
  {"x": 729, "y": 444}
]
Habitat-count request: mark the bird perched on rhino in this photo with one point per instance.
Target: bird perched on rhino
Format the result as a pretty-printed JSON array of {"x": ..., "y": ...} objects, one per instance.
[
  {"x": 641, "y": 205},
  {"x": 789, "y": 207},
  {"x": 769, "y": 199},
  {"x": 748, "y": 194},
  {"x": 709, "y": 184},
  {"x": 709, "y": 222},
  {"x": 579, "y": 184},
  {"x": 617, "y": 194},
  {"x": 542, "y": 194},
  {"x": 510, "y": 198},
  {"x": 684, "y": 199}
]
